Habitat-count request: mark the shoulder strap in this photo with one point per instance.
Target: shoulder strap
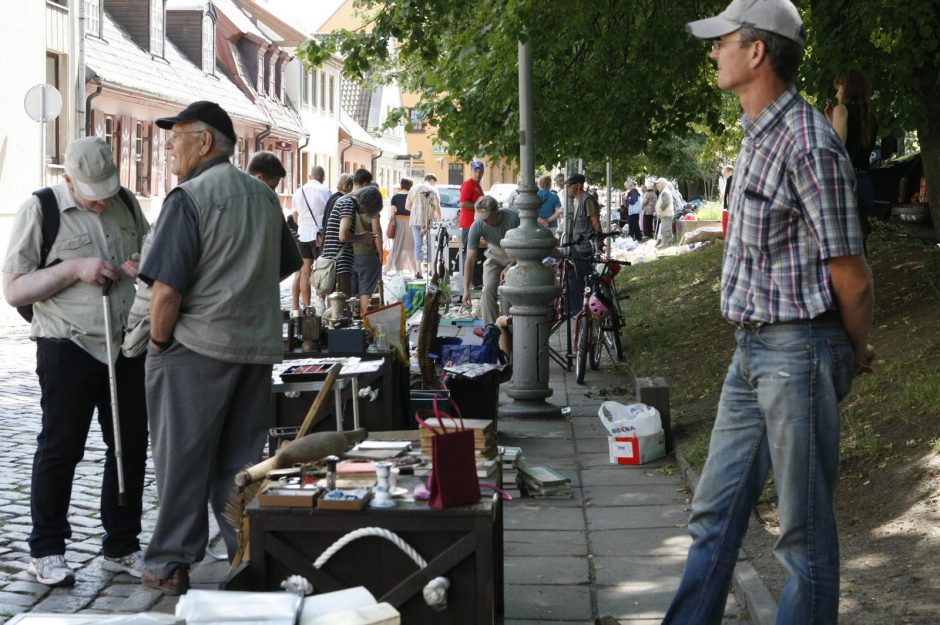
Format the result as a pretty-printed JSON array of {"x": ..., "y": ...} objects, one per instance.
[
  {"x": 50, "y": 222},
  {"x": 309, "y": 210}
]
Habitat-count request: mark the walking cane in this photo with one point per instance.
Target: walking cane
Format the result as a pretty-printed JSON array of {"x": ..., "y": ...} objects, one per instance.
[{"x": 112, "y": 379}]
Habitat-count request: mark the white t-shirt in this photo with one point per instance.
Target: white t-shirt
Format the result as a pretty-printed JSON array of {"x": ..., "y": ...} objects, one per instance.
[{"x": 310, "y": 198}]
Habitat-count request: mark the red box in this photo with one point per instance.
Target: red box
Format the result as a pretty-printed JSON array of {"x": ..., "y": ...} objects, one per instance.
[{"x": 636, "y": 449}]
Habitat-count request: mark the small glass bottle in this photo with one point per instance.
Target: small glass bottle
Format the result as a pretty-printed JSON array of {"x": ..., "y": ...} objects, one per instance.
[{"x": 331, "y": 472}]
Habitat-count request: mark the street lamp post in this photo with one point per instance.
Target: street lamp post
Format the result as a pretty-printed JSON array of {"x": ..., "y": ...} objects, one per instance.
[{"x": 530, "y": 286}]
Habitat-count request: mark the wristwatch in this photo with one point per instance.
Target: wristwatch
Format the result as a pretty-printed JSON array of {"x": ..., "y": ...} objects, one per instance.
[{"x": 162, "y": 344}]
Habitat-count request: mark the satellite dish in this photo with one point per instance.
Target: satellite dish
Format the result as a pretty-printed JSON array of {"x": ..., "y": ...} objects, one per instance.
[{"x": 43, "y": 103}]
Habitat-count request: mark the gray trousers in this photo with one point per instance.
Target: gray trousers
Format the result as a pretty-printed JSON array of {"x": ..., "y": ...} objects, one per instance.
[
  {"x": 491, "y": 305},
  {"x": 208, "y": 420}
]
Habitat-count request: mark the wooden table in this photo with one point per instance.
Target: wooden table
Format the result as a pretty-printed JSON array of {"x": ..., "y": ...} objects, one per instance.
[
  {"x": 463, "y": 544},
  {"x": 388, "y": 412}
]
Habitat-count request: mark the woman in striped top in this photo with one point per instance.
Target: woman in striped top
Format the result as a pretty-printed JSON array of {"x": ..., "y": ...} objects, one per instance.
[{"x": 340, "y": 235}]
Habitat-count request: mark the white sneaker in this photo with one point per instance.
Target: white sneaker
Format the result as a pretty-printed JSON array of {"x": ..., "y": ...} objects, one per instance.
[
  {"x": 132, "y": 564},
  {"x": 51, "y": 570}
]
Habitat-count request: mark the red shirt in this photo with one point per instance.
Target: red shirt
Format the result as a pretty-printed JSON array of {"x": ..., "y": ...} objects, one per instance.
[{"x": 470, "y": 191}]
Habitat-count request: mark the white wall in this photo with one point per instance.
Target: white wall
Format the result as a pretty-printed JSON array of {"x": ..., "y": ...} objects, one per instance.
[
  {"x": 22, "y": 29},
  {"x": 320, "y": 123}
]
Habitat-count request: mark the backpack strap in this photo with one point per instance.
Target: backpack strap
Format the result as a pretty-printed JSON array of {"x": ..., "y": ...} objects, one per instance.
[{"x": 50, "y": 222}]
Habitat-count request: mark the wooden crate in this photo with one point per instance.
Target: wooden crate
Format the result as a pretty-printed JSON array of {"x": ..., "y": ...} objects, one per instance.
[{"x": 463, "y": 544}]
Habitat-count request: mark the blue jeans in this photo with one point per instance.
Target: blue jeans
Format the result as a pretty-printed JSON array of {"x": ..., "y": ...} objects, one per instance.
[
  {"x": 778, "y": 408},
  {"x": 419, "y": 243}
]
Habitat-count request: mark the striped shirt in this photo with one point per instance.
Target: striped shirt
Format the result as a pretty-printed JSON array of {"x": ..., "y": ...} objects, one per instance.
[
  {"x": 332, "y": 246},
  {"x": 792, "y": 208}
]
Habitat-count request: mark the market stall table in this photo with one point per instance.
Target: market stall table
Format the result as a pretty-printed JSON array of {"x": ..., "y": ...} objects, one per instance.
[{"x": 463, "y": 544}]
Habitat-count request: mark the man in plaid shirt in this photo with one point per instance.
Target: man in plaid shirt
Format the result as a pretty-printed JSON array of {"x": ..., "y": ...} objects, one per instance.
[{"x": 796, "y": 284}]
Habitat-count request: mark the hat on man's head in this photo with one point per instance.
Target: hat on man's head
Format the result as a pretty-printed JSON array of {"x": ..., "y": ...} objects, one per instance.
[
  {"x": 202, "y": 111},
  {"x": 575, "y": 179},
  {"x": 477, "y": 165},
  {"x": 776, "y": 16},
  {"x": 90, "y": 166}
]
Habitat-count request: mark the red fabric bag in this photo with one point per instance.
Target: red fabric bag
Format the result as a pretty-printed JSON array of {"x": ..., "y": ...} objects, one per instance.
[{"x": 453, "y": 480}]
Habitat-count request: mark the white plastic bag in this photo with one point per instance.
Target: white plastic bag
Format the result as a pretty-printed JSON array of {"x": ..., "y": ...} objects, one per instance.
[
  {"x": 631, "y": 420},
  {"x": 395, "y": 289}
]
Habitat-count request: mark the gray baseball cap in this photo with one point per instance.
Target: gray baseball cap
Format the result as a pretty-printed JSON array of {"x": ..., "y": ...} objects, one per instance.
[
  {"x": 90, "y": 165},
  {"x": 776, "y": 16}
]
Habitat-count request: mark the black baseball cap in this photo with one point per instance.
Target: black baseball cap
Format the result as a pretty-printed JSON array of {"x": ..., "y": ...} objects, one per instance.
[
  {"x": 575, "y": 179},
  {"x": 202, "y": 111}
]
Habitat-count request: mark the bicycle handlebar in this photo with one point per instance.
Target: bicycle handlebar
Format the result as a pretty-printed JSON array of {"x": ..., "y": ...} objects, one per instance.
[{"x": 590, "y": 237}]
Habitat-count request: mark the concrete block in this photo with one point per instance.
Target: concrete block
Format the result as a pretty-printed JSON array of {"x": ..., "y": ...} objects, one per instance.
[
  {"x": 544, "y": 543},
  {"x": 549, "y": 603},
  {"x": 635, "y": 517},
  {"x": 545, "y": 570},
  {"x": 654, "y": 391}
]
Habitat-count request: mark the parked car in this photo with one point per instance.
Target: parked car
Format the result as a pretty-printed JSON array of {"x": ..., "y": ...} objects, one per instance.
[
  {"x": 450, "y": 204},
  {"x": 500, "y": 191}
]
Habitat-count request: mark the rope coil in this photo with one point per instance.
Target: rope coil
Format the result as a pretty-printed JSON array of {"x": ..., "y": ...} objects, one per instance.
[{"x": 435, "y": 591}]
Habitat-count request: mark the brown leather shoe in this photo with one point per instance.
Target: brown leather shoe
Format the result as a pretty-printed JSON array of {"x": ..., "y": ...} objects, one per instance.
[{"x": 176, "y": 583}]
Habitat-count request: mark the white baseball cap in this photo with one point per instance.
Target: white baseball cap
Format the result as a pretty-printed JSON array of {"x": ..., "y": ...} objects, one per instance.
[
  {"x": 90, "y": 166},
  {"x": 776, "y": 16}
]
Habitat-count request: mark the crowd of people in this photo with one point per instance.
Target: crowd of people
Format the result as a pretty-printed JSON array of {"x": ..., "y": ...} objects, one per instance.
[{"x": 191, "y": 322}]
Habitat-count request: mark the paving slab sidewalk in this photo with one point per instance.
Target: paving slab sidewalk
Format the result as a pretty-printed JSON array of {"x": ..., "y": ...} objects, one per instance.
[{"x": 618, "y": 546}]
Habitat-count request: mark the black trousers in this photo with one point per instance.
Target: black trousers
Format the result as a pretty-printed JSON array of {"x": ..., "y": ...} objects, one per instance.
[
  {"x": 635, "y": 227},
  {"x": 73, "y": 385}
]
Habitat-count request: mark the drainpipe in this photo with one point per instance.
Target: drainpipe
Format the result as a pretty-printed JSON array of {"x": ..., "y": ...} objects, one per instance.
[
  {"x": 376, "y": 157},
  {"x": 342, "y": 158},
  {"x": 80, "y": 109},
  {"x": 264, "y": 135},
  {"x": 88, "y": 115}
]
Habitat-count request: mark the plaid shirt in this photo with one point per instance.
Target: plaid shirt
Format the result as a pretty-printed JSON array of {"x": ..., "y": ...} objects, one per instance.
[{"x": 792, "y": 208}]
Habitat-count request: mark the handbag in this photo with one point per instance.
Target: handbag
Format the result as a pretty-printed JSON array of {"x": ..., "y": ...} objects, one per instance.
[
  {"x": 453, "y": 480},
  {"x": 392, "y": 227},
  {"x": 323, "y": 276}
]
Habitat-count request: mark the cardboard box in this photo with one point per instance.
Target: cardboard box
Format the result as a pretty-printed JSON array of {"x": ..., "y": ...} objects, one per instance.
[
  {"x": 636, "y": 449},
  {"x": 362, "y": 498},
  {"x": 277, "y": 495}
]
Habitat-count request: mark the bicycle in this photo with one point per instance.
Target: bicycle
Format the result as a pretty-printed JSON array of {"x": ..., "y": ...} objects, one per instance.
[{"x": 599, "y": 322}]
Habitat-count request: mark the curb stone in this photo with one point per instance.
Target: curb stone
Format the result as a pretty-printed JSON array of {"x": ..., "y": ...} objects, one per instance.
[{"x": 760, "y": 604}]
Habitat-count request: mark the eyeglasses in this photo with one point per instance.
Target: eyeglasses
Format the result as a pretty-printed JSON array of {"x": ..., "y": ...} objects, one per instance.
[
  {"x": 717, "y": 43},
  {"x": 174, "y": 134}
]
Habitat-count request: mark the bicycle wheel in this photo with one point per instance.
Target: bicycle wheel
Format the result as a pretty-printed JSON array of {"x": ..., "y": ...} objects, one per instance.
[
  {"x": 612, "y": 327},
  {"x": 597, "y": 342},
  {"x": 581, "y": 353}
]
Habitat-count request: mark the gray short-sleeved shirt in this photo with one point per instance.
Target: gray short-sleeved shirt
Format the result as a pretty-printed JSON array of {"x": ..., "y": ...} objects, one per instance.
[
  {"x": 493, "y": 234},
  {"x": 76, "y": 312}
]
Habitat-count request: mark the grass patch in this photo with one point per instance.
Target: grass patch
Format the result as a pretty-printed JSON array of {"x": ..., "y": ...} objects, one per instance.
[
  {"x": 674, "y": 329},
  {"x": 709, "y": 211}
]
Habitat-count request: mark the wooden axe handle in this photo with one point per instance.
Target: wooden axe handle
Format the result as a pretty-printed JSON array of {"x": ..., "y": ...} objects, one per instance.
[{"x": 320, "y": 401}]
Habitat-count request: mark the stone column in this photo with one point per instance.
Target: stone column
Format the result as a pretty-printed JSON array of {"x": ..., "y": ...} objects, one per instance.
[{"x": 530, "y": 286}]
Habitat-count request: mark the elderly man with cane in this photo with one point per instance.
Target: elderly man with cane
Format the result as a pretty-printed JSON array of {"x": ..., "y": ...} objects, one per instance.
[{"x": 68, "y": 241}]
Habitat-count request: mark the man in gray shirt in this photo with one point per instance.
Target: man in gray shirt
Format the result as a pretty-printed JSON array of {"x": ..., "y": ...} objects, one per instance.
[
  {"x": 219, "y": 251},
  {"x": 491, "y": 224}
]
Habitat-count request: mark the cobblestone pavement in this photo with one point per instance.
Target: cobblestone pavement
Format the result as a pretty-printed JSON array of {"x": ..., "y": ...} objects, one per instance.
[{"x": 95, "y": 590}]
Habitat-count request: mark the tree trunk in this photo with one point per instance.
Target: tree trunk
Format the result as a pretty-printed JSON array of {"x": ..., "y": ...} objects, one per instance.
[
  {"x": 929, "y": 136},
  {"x": 930, "y": 157}
]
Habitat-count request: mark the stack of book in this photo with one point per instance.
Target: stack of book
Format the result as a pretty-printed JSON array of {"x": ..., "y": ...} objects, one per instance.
[
  {"x": 542, "y": 481},
  {"x": 354, "y": 474},
  {"x": 508, "y": 458},
  {"x": 484, "y": 435},
  {"x": 484, "y": 443}
]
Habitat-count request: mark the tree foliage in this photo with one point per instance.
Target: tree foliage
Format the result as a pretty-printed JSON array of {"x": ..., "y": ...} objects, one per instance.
[
  {"x": 608, "y": 75},
  {"x": 620, "y": 79}
]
